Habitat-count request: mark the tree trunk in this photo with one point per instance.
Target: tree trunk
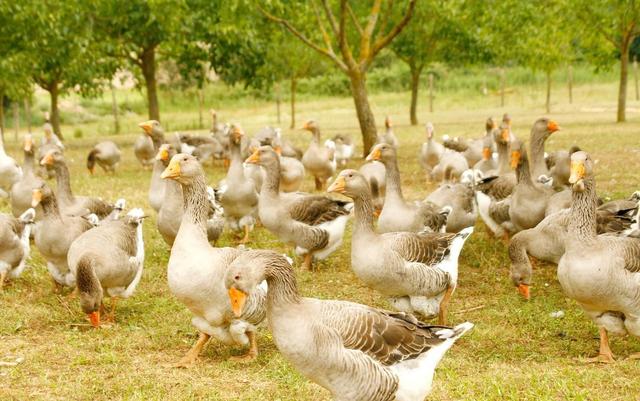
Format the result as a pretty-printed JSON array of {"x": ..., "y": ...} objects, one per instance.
[
  {"x": 27, "y": 114},
  {"x": 547, "y": 103},
  {"x": 431, "y": 92},
  {"x": 635, "y": 76},
  {"x": 624, "y": 73},
  {"x": 55, "y": 113},
  {"x": 294, "y": 88},
  {"x": 415, "y": 86},
  {"x": 570, "y": 78},
  {"x": 16, "y": 121},
  {"x": 114, "y": 110},
  {"x": 502, "y": 86},
  {"x": 200, "y": 108},
  {"x": 363, "y": 110},
  {"x": 148, "y": 60},
  {"x": 2, "y": 115}
]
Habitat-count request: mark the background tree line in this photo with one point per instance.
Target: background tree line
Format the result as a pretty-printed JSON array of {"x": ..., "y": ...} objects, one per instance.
[{"x": 66, "y": 46}]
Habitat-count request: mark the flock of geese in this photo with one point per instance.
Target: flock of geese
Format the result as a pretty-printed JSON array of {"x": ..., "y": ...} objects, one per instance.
[{"x": 545, "y": 205}]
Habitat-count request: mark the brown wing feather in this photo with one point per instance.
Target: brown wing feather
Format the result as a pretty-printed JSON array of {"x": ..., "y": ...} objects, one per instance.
[
  {"x": 317, "y": 209},
  {"x": 427, "y": 248}
]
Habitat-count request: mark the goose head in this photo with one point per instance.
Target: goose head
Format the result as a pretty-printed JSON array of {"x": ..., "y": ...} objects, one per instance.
[
  {"x": 235, "y": 134},
  {"x": 518, "y": 154},
  {"x": 490, "y": 124},
  {"x": 430, "y": 130},
  {"x": 52, "y": 158},
  {"x": 543, "y": 127},
  {"x": 502, "y": 135},
  {"x": 263, "y": 156},
  {"x": 40, "y": 194},
  {"x": 182, "y": 168},
  {"x": 151, "y": 128},
  {"x": 350, "y": 183},
  {"x": 382, "y": 152},
  {"x": 27, "y": 144},
  {"x": 581, "y": 169},
  {"x": 165, "y": 153}
]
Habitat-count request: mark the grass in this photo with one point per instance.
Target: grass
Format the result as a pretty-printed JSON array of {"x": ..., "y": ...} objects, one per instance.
[{"x": 516, "y": 351}]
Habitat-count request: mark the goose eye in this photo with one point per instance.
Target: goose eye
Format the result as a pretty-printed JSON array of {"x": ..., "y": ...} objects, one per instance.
[{"x": 237, "y": 277}]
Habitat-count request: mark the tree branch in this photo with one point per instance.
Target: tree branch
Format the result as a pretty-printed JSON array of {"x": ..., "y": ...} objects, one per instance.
[
  {"x": 365, "y": 39},
  {"x": 342, "y": 37},
  {"x": 354, "y": 19},
  {"x": 330, "y": 16},
  {"x": 303, "y": 38},
  {"x": 385, "y": 40},
  {"x": 325, "y": 35}
]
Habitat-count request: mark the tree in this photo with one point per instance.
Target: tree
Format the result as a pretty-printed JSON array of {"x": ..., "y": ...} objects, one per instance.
[
  {"x": 55, "y": 40},
  {"x": 359, "y": 31},
  {"x": 609, "y": 28},
  {"x": 439, "y": 31},
  {"x": 135, "y": 31}
]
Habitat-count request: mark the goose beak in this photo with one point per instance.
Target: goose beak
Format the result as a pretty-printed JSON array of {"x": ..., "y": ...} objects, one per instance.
[
  {"x": 28, "y": 144},
  {"x": 278, "y": 150},
  {"x": 338, "y": 185},
  {"x": 515, "y": 159},
  {"x": 387, "y": 122},
  {"x": 36, "y": 197},
  {"x": 163, "y": 154},
  {"x": 552, "y": 126},
  {"x": 238, "y": 299},
  {"x": 94, "y": 318},
  {"x": 374, "y": 155},
  {"x": 523, "y": 289},
  {"x": 172, "y": 170},
  {"x": 146, "y": 127},
  {"x": 237, "y": 133},
  {"x": 486, "y": 153},
  {"x": 306, "y": 126},
  {"x": 47, "y": 160},
  {"x": 577, "y": 172},
  {"x": 254, "y": 158},
  {"x": 505, "y": 135}
]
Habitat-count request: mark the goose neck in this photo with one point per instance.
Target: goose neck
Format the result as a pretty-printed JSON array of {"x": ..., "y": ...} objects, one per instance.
[
  {"x": 503, "y": 157},
  {"x": 582, "y": 221},
  {"x": 271, "y": 183},
  {"x": 282, "y": 284},
  {"x": 536, "y": 144},
  {"x": 196, "y": 203},
  {"x": 394, "y": 190},
  {"x": 63, "y": 182},
  {"x": 523, "y": 175},
  {"x": 363, "y": 213}
]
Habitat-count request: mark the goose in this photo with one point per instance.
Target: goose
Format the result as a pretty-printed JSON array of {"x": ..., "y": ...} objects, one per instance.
[
  {"x": 54, "y": 235},
  {"x": 461, "y": 199},
  {"x": 314, "y": 223},
  {"x": 14, "y": 244},
  {"x": 430, "y": 152},
  {"x": 10, "y": 171},
  {"x": 487, "y": 165},
  {"x": 397, "y": 214},
  {"x": 108, "y": 259},
  {"x": 344, "y": 148},
  {"x": 451, "y": 166},
  {"x": 417, "y": 271},
  {"x": 375, "y": 174},
  {"x": 196, "y": 271},
  {"x": 541, "y": 131},
  {"x": 239, "y": 198},
  {"x": 388, "y": 137},
  {"x": 153, "y": 130},
  {"x": 106, "y": 154},
  {"x": 470, "y": 149},
  {"x": 319, "y": 160},
  {"x": 49, "y": 142},
  {"x": 22, "y": 189},
  {"x": 147, "y": 144},
  {"x": 600, "y": 272},
  {"x": 69, "y": 203},
  {"x": 291, "y": 170},
  {"x": 558, "y": 163},
  {"x": 171, "y": 211},
  {"x": 529, "y": 200},
  {"x": 546, "y": 241},
  {"x": 357, "y": 352},
  {"x": 220, "y": 132}
]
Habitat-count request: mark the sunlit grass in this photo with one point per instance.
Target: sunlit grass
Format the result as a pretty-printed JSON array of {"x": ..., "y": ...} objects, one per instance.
[{"x": 516, "y": 352}]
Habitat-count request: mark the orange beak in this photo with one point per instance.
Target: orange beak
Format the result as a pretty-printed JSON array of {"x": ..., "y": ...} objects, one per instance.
[
  {"x": 505, "y": 135},
  {"x": 28, "y": 144},
  {"x": 146, "y": 127},
  {"x": 305, "y": 126},
  {"x": 172, "y": 170},
  {"x": 91, "y": 170},
  {"x": 238, "y": 299},
  {"x": 278, "y": 150},
  {"x": 376, "y": 213},
  {"x": 94, "y": 318},
  {"x": 36, "y": 197},
  {"x": 486, "y": 153},
  {"x": 523, "y": 289},
  {"x": 338, "y": 185},
  {"x": 578, "y": 171},
  {"x": 515, "y": 159},
  {"x": 237, "y": 133},
  {"x": 47, "y": 160},
  {"x": 254, "y": 158},
  {"x": 374, "y": 155},
  {"x": 163, "y": 154},
  {"x": 552, "y": 126}
]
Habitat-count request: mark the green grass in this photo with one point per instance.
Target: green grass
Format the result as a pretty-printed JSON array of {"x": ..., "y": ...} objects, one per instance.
[{"x": 516, "y": 351}]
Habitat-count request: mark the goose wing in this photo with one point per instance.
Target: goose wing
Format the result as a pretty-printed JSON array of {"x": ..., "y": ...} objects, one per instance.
[{"x": 317, "y": 209}]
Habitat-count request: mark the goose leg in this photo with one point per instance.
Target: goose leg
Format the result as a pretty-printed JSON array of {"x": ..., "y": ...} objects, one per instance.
[
  {"x": 111, "y": 317},
  {"x": 604, "y": 355},
  {"x": 307, "y": 262},
  {"x": 245, "y": 239},
  {"x": 318, "y": 184},
  {"x": 444, "y": 305},
  {"x": 57, "y": 287},
  {"x": 192, "y": 356},
  {"x": 3, "y": 276},
  {"x": 252, "y": 353}
]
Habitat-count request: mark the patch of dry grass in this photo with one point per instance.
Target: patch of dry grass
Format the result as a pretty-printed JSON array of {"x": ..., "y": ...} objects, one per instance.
[{"x": 516, "y": 352}]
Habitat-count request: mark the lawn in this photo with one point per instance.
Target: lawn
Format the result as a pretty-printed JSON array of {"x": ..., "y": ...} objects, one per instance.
[{"x": 517, "y": 351}]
